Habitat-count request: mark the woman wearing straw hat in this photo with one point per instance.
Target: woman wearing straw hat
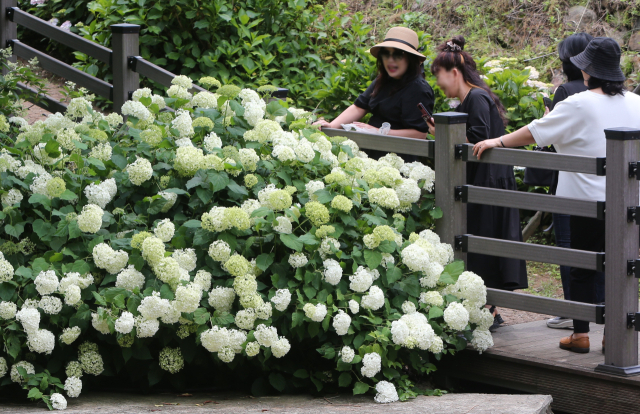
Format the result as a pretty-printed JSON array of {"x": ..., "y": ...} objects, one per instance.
[
  {"x": 576, "y": 126},
  {"x": 395, "y": 93}
]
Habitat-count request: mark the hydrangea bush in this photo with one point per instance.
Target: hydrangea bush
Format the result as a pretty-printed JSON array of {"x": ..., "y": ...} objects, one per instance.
[{"x": 220, "y": 231}]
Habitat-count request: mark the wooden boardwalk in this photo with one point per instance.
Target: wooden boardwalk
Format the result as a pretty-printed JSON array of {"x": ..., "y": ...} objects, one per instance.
[{"x": 526, "y": 358}]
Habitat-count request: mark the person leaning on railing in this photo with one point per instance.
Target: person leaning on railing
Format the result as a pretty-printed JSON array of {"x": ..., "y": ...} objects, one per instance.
[
  {"x": 394, "y": 95},
  {"x": 569, "y": 47},
  {"x": 576, "y": 126},
  {"x": 458, "y": 77}
]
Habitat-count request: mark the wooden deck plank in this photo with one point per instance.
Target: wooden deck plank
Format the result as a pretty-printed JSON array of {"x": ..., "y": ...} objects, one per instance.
[{"x": 527, "y": 358}]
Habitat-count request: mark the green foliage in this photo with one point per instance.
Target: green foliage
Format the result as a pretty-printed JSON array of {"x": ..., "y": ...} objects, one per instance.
[{"x": 10, "y": 92}]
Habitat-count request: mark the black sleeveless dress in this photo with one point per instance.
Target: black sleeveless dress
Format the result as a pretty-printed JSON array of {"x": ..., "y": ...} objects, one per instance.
[{"x": 484, "y": 122}]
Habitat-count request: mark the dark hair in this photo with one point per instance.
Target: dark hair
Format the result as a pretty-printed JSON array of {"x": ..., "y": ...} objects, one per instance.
[
  {"x": 414, "y": 69},
  {"x": 569, "y": 47},
  {"x": 452, "y": 55},
  {"x": 608, "y": 87}
]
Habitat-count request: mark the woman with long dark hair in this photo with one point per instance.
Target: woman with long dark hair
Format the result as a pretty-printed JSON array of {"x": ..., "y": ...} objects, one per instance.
[
  {"x": 394, "y": 95},
  {"x": 458, "y": 77}
]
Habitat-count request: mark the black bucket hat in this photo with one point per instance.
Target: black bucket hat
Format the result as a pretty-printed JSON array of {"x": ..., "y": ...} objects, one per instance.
[{"x": 601, "y": 59}]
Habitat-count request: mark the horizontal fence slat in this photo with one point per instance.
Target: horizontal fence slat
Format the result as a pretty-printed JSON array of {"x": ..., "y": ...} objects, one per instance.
[
  {"x": 63, "y": 70},
  {"x": 387, "y": 143},
  {"x": 157, "y": 74},
  {"x": 539, "y": 304},
  {"x": 72, "y": 40},
  {"x": 535, "y": 159},
  {"x": 532, "y": 201},
  {"x": 46, "y": 102},
  {"x": 537, "y": 253}
]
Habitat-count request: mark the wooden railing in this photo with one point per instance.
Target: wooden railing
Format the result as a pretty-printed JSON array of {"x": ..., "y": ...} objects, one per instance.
[
  {"x": 124, "y": 60},
  {"x": 450, "y": 155}
]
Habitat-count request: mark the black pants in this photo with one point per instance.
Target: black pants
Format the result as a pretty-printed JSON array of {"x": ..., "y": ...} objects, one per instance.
[{"x": 586, "y": 234}]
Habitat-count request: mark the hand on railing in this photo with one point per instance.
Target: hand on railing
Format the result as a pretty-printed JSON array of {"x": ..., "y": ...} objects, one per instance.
[
  {"x": 482, "y": 146},
  {"x": 325, "y": 124}
]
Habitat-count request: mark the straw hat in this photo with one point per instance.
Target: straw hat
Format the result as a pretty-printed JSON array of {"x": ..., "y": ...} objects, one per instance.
[{"x": 400, "y": 38}]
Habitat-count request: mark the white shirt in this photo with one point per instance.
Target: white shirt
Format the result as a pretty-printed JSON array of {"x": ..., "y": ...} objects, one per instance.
[{"x": 576, "y": 127}]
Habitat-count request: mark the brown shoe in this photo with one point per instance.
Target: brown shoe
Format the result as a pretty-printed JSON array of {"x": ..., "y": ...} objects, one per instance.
[{"x": 580, "y": 345}]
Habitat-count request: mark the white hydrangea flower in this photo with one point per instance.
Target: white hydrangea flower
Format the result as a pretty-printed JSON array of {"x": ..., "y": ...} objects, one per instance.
[
  {"x": 15, "y": 374},
  {"x": 11, "y": 197},
  {"x": 332, "y": 271},
  {"x": 211, "y": 142},
  {"x": 188, "y": 298},
  {"x": 90, "y": 219},
  {"x": 456, "y": 316},
  {"x": 266, "y": 336},
  {"x": 153, "y": 307},
  {"x": 73, "y": 387},
  {"x": 415, "y": 258},
  {"x": 325, "y": 246},
  {"x": 41, "y": 341},
  {"x": 202, "y": 279},
  {"x": 99, "y": 323},
  {"x": 113, "y": 261},
  {"x": 432, "y": 298},
  {"x": 386, "y": 393},
  {"x": 315, "y": 313},
  {"x": 354, "y": 306},
  {"x": 47, "y": 282},
  {"x": 69, "y": 335},
  {"x": 146, "y": 328},
  {"x": 413, "y": 331},
  {"x": 361, "y": 280},
  {"x": 183, "y": 124},
  {"x": 481, "y": 340},
  {"x": 252, "y": 349},
  {"x": 408, "y": 307},
  {"x": 3, "y": 367},
  {"x": 101, "y": 194},
  {"x": 284, "y": 225},
  {"x": 6, "y": 269},
  {"x": 205, "y": 100},
  {"x": 165, "y": 230},
  {"x": 245, "y": 319},
  {"x": 171, "y": 200},
  {"x": 347, "y": 354},
  {"x": 471, "y": 287},
  {"x": 281, "y": 299},
  {"x": 8, "y": 310},
  {"x": 139, "y": 171},
  {"x": 124, "y": 324},
  {"x": 183, "y": 81},
  {"x": 226, "y": 342},
  {"x": 220, "y": 251},
  {"x": 29, "y": 318},
  {"x": 298, "y": 259},
  {"x": 313, "y": 186},
  {"x": 221, "y": 298},
  {"x": 51, "y": 305},
  {"x": 374, "y": 299},
  {"x": 280, "y": 347},
  {"x": 341, "y": 322},
  {"x": 130, "y": 279},
  {"x": 136, "y": 110},
  {"x": 102, "y": 151},
  {"x": 371, "y": 364},
  {"x": 283, "y": 153}
]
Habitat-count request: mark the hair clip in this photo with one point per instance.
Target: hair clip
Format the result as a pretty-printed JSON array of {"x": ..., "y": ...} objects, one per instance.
[{"x": 453, "y": 47}]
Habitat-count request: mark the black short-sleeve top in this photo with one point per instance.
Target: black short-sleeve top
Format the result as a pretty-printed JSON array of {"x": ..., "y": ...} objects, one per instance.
[{"x": 399, "y": 108}]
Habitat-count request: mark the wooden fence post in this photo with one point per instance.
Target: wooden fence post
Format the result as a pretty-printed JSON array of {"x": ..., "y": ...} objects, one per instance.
[
  {"x": 621, "y": 351},
  {"x": 125, "y": 44},
  {"x": 8, "y": 29},
  {"x": 451, "y": 171}
]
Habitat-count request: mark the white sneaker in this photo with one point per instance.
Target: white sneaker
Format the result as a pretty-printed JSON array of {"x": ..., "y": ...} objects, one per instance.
[{"x": 560, "y": 322}]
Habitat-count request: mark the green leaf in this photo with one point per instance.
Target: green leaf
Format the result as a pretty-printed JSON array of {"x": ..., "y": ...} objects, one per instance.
[
  {"x": 360, "y": 388},
  {"x": 41, "y": 199},
  {"x": 324, "y": 196},
  {"x": 436, "y": 213},
  {"x": 435, "y": 312},
  {"x": 275, "y": 108},
  {"x": 264, "y": 261},
  {"x": 14, "y": 230},
  {"x": 6, "y": 291},
  {"x": 68, "y": 195},
  {"x": 234, "y": 187},
  {"x": 292, "y": 242},
  {"x": 192, "y": 224},
  {"x": 310, "y": 291},
  {"x": 393, "y": 275},
  {"x": 372, "y": 258},
  {"x": 74, "y": 230},
  {"x": 201, "y": 316},
  {"x": 296, "y": 319},
  {"x": 345, "y": 379},
  {"x": 119, "y": 161},
  {"x": 34, "y": 394},
  {"x": 218, "y": 180},
  {"x": 277, "y": 381},
  {"x": 455, "y": 269},
  {"x": 411, "y": 285},
  {"x": 301, "y": 373}
]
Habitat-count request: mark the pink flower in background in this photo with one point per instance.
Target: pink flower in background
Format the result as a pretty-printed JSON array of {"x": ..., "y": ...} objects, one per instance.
[
  {"x": 66, "y": 25},
  {"x": 54, "y": 21},
  {"x": 36, "y": 2}
]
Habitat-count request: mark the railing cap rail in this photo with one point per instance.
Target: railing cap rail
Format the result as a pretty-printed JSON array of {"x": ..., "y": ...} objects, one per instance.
[
  {"x": 622, "y": 133},
  {"x": 125, "y": 28},
  {"x": 450, "y": 118}
]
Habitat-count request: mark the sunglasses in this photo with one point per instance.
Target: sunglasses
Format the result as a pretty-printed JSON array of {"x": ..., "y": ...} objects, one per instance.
[{"x": 397, "y": 54}]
